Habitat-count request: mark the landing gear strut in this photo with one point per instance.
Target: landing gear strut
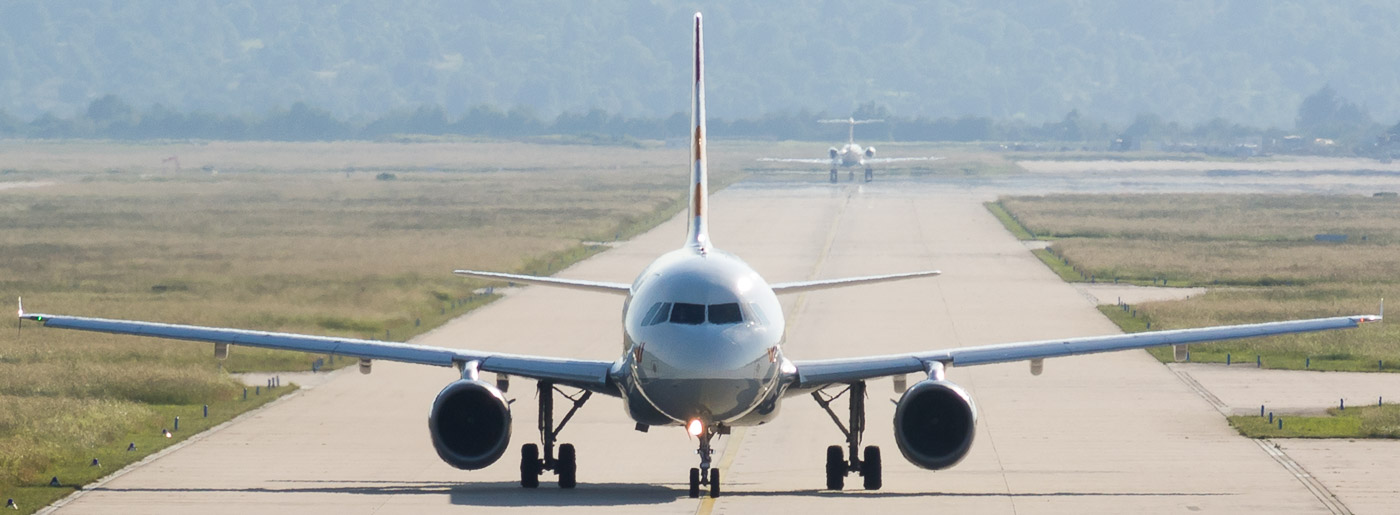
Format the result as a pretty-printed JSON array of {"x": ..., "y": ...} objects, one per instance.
[
  {"x": 833, "y": 176},
  {"x": 869, "y": 175},
  {"x": 837, "y": 466},
  {"x": 532, "y": 466},
  {"x": 704, "y": 475}
]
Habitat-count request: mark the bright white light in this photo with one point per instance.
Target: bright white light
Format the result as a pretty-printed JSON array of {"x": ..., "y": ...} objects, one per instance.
[{"x": 695, "y": 427}]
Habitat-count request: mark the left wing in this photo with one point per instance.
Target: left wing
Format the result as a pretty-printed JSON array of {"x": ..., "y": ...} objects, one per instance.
[
  {"x": 818, "y": 373},
  {"x": 586, "y": 374},
  {"x": 797, "y": 160},
  {"x": 880, "y": 160}
]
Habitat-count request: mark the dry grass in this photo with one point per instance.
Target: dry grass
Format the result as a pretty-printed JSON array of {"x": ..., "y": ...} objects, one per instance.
[
  {"x": 1262, "y": 245},
  {"x": 1208, "y": 216}
]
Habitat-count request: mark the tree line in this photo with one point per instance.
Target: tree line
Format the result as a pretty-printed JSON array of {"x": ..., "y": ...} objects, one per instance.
[{"x": 1322, "y": 116}]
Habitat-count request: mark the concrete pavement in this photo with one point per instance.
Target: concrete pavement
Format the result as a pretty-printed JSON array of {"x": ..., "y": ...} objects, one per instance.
[{"x": 1108, "y": 433}]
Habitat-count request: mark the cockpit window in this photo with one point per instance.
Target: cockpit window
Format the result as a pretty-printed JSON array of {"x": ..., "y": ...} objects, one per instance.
[
  {"x": 755, "y": 314},
  {"x": 659, "y": 313},
  {"x": 725, "y": 313},
  {"x": 689, "y": 314}
]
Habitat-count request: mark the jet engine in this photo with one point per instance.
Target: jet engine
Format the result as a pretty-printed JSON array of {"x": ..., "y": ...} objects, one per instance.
[
  {"x": 833, "y": 152},
  {"x": 470, "y": 424},
  {"x": 934, "y": 423},
  {"x": 869, "y": 151}
]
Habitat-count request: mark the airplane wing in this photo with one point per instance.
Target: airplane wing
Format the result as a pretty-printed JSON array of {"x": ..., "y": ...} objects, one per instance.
[
  {"x": 882, "y": 160},
  {"x": 818, "y": 373},
  {"x": 586, "y": 374},
  {"x": 824, "y": 284},
  {"x": 796, "y": 160},
  {"x": 575, "y": 284}
]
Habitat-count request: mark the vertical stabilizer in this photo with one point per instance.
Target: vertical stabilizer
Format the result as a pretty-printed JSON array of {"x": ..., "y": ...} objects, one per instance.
[{"x": 699, "y": 233}]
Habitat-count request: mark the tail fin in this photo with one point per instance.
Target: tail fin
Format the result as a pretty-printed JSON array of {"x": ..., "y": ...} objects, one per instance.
[
  {"x": 851, "y": 136},
  {"x": 699, "y": 233}
]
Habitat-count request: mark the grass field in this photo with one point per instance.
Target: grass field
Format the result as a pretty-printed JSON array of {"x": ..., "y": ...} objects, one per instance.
[
  {"x": 1352, "y": 422},
  {"x": 1256, "y": 252},
  {"x": 289, "y": 237}
]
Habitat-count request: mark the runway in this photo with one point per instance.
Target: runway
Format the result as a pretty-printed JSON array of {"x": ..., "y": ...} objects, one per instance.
[{"x": 1111, "y": 433}]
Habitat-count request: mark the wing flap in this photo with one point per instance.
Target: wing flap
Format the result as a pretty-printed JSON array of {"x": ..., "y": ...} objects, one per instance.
[{"x": 574, "y": 284}]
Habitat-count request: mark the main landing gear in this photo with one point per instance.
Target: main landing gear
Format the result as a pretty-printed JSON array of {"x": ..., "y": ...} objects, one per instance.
[
  {"x": 837, "y": 466},
  {"x": 704, "y": 475},
  {"x": 833, "y": 176},
  {"x": 869, "y": 175},
  {"x": 532, "y": 466}
]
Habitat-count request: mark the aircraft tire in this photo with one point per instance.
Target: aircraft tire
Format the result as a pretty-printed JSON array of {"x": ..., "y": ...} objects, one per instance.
[
  {"x": 714, "y": 483},
  {"x": 567, "y": 467},
  {"x": 835, "y": 468},
  {"x": 870, "y": 468},
  {"x": 851, "y": 175},
  {"x": 530, "y": 466},
  {"x": 869, "y": 175},
  {"x": 833, "y": 176},
  {"x": 694, "y": 483}
]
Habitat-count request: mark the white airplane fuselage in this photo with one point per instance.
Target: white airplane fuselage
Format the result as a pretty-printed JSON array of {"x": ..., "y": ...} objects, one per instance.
[
  {"x": 702, "y": 340},
  {"x": 850, "y": 155}
]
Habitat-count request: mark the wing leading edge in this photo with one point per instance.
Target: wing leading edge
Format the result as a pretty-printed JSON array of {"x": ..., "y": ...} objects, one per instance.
[
  {"x": 823, "y": 372},
  {"x": 587, "y": 374},
  {"x": 574, "y": 284}
]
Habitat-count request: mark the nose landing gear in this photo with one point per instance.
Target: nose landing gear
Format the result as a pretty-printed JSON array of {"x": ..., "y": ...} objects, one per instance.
[
  {"x": 704, "y": 474},
  {"x": 837, "y": 466}
]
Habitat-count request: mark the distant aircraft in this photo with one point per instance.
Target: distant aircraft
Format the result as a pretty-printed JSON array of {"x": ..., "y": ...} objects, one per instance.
[
  {"x": 702, "y": 350},
  {"x": 851, "y": 155}
]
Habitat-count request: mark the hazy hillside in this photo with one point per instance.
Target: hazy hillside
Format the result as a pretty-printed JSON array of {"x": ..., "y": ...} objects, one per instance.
[{"x": 1188, "y": 61}]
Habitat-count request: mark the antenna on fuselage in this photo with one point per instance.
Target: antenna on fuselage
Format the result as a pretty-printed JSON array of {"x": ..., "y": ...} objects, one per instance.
[{"x": 699, "y": 232}]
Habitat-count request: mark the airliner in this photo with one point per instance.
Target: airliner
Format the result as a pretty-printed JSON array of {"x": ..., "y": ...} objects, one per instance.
[
  {"x": 850, "y": 155},
  {"x": 702, "y": 351}
]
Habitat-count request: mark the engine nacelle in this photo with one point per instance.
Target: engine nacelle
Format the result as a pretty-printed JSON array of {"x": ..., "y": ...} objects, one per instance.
[
  {"x": 470, "y": 424},
  {"x": 869, "y": 151},
  {"x": 934, "y": 424},
  {"x": 833, "y": 152}
]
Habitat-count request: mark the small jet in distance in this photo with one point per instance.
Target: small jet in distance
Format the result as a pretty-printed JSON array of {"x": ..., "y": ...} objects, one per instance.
[
  {"x": 850, "y": 155},
  {"x": 702, "y": 351}
]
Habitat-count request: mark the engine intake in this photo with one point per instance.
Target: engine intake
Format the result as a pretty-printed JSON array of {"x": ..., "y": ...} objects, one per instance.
[
  {"x": 869, "y": 151},
  {"x": 470, "y": 424},
  {"x": 934, "y": 424},
  {"x": 833, "y": 152}
]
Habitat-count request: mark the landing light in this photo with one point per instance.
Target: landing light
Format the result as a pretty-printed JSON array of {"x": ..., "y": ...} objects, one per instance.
[{"x": 695, "y": 427}]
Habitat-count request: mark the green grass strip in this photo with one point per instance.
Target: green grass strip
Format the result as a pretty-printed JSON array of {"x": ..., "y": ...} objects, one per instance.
[
  {"x": 73, "y": 473},
  {"x": 1354, "y": 422},
  {"x": 1009, "y": 221},
  {"x": 1066, "y": 272}
]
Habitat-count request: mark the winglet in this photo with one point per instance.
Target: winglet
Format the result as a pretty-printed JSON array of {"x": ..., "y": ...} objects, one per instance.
[
  {"x": 699, "y": 231},
  {"x": 21, "y": 306}
]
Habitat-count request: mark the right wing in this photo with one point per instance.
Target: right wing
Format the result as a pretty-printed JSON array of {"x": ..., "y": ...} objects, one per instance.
[
  {"x": 823, "y": 372},
  {"x": 798, "y": 160},
  {"x": 575, "y": 284},
  {"x": 587, "y": 374},
  {"x": 882, "y": 160}
]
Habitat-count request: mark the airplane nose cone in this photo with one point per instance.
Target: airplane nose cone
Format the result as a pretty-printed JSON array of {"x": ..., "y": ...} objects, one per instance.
[{"x": 715, "y": 379}]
